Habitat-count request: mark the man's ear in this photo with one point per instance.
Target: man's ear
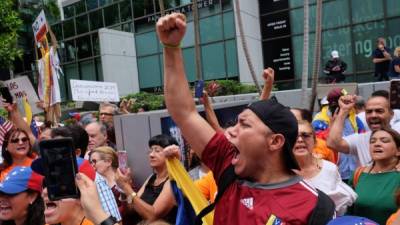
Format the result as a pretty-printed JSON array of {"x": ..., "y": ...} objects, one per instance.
[{"x": 276, "y": 142}]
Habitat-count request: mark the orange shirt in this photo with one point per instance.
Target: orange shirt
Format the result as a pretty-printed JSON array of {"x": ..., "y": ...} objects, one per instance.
[
  {"x": 84, "y": 222},
  {"x": 393, "y": 217},
  {"x": 207, "y": 186},
  {"x": 322, "y": 151},
  {"x": 26, "y": 162}
]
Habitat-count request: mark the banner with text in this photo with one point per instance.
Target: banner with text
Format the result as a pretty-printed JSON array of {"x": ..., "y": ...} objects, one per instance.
[{"x": 94, "y": 91}]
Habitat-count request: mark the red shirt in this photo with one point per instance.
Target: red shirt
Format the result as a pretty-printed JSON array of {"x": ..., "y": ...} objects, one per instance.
[{"x": 245, "y": 202}]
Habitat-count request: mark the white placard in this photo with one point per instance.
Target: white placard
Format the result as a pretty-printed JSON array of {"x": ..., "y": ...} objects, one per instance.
[
  {"x": 39, "y": 26},
  {"x": 94, "y": 91},
  {"x": 20, "y": 87}
]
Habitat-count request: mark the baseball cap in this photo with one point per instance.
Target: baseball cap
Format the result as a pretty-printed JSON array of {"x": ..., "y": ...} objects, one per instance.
[
  {"x": 335, "y": 54},
  {"x": 334, "y": 94},
  {"x": 352, "y": 220},
  {"x": 20, "y": 179},
  {"x": 281, "y": 121},
  {"x": 324, "y": 101},
  {"x": 83, "y": 167}
]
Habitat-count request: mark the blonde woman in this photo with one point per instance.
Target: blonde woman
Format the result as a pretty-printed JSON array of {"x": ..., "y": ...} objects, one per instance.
[{"x": 394, "y": 68}]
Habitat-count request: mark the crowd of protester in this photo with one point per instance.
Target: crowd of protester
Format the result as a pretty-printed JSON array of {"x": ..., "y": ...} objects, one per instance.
[{"x": 276, "y": 165}]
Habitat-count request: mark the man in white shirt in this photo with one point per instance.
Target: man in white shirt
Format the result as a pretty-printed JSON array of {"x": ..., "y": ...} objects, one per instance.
[{"x": 378, "y": 114}]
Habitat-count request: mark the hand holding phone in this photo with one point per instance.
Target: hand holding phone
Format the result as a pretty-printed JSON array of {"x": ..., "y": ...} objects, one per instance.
[
  {"x": 60, "y": 168},
  {"x": 122, "y": 161},
  {"x": 198, "y": 91},
  {"x": 5, "y": 93}
]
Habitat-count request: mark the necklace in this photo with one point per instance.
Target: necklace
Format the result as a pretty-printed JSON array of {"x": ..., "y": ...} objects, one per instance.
[
  {"x": 82, "y": 220},
  {"x": 382, "y": 171}
]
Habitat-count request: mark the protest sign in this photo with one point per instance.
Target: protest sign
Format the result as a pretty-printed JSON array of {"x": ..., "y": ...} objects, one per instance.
[
  {"x": 39, "y": 27},
  {"x": 20, "y": 87},
  {"x": 83, "y": 90}
]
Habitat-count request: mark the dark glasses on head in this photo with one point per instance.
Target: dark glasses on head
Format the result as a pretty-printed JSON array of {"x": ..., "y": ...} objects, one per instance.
[{"x": 16, "y": 140}]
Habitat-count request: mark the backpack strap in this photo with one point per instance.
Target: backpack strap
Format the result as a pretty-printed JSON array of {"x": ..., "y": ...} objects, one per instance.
[
  {"x": 324, "y": 211},
  {"x": 227, "y": 178},
  {"x": 356, "y": 175}
]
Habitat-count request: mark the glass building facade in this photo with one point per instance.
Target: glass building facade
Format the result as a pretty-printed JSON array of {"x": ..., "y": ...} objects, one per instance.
[
  {"x": 349, "y": 26},
  {"x": 80, "y": 49}
]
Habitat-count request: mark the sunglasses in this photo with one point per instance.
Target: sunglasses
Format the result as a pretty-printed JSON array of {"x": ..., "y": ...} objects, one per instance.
[
  {"x": 17, "y": 140},
  {"x": 94, "y": 161},
  {"x": 106, "y": 114},
  {"x": 305, "y": 135}
]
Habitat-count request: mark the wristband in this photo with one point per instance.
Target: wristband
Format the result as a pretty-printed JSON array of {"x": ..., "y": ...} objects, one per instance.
[
  {"x": 171, "y": 46},
  {"x": 109, "y": 221}
]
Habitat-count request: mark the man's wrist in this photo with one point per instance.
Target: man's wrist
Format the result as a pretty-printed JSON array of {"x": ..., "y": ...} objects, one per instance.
[{"x": 99, "y": 217}]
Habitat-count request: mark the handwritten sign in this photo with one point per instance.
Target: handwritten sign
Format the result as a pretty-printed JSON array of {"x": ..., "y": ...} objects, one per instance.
[
  {"x": 20, "y": 87},
  {"x": 39, "y": 27},
  {"x": 83, "y": 90}
]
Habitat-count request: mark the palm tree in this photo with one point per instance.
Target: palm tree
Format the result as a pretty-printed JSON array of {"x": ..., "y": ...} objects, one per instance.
[
  {"x": 244, "y": 45},
  {"x": 196, "y": 39},
  {"x": 317, "y": 54},
  {"x": 304, "y": 75}
]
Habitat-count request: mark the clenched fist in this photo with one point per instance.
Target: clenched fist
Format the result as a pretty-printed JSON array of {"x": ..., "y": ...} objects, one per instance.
[{"x": 171, "y": 29}]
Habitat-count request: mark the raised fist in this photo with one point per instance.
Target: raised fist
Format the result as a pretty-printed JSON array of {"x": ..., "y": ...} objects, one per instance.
[
  {"x": 269, "y": 75},
  {"x": 347, "y": 102},
  {"x": 171, "y": 29}
]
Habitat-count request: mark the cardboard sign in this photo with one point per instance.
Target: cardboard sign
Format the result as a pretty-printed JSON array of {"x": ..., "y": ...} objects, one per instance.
[
  {"x": 39, "y": 27},
  {"x": 20, "y": 87},
  {"x": 83, "y": 90}
]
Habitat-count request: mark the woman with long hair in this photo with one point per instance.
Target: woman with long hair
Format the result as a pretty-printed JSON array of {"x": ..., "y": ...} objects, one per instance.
[
  {"x": 376, "y": 184},
  {"x": 16, "y": 151},
  {"x": 20, "y": 199},
  {"x": 321, "y": 173}
]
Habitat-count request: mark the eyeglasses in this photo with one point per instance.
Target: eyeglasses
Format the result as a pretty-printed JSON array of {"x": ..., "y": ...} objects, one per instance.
[
  {"x": 17, "y": 140},
  {"x": 155, "y": 149},
  {"x": 94, "y": 161},
  {"x": 106, "y": 114},
  {"x": 305, "y": 135}
]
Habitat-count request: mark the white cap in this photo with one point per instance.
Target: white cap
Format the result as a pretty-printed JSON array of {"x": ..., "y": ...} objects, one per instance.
[
  {"x": 324, "y": 101},
  {"x": 335, "y": 54}
]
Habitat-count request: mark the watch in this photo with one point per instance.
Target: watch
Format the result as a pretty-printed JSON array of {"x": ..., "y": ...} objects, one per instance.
[
  {"x": 129, "y": 198},
  {"x": 109, "y": 221}
]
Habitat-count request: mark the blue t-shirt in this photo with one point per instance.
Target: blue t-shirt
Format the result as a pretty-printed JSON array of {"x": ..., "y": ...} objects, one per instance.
[{"x": 392, "y": 71}]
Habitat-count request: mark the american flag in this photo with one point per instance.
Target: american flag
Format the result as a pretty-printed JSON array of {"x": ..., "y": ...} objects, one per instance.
[{"x": 5, "y": 126}]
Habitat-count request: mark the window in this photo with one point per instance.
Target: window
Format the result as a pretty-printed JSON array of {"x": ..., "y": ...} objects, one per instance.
[
  {"x": 69, "y": 51},
  {"x": 190, "y": 64},
  {"x": 149, "y": 71},
  {"x": 366, "y": 10},
  {"x": 211, "y": 29},
  {"x": 339, "y": 40},
  {"x": 69, "y": 28},
  {"x": 297, "y": 46},
  {"x": 125, "y": 10},
  {"x": 298, "y": 15},
  {"x": 87, "y": 70},
  {"x": 82, "y": 24},
  {"x": 91, "y": 4},
  {"x": 146, "y": 43},
  {"x": 96, "y": 44},
  {"x": 112, "y": 15},
  {"x": 213, "y": 61},
  {"x": 99, "y": 69},
  {"x": 335, "y": 13},
  {"x": 393, "y": 36},
  {"x": 188, "y": 39},
  {"x": 69, "y": 11},
  {"x": 229, "y": 25},
  {"x": 393, "y": 7},
  {"x": 71, "y": 72},
  {"x": 96, "y": 20},
  {"x": 104, "y": 2},
  {"x": 57, "y": 30},
  {"x": 84, "y": 47},
  {"x": 231, "y": 59},
  {"x": 80, "y": 7}
]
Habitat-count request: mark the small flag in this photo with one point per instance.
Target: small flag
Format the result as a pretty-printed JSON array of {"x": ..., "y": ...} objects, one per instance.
[
  {"x": 5, "y": 126},
  {"x": 28, "y": 110}
]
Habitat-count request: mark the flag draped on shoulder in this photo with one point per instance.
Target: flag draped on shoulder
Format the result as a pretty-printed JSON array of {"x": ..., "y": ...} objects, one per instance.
[{"x": 178, "y": 173}]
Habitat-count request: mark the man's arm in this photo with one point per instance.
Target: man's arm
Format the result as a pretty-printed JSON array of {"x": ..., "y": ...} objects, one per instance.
[
  {"x": 178, "y": 98},
  {"x": 335, "y": 140},
  {"x": 268, "y": 75}
]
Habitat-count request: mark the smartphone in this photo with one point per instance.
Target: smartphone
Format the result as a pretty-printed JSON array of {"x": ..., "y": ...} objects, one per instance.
[
  {"x": 394, "y": 95},
  {"x": 122, "y": 161},
  {"x": 60, "y": 168},
  {"x": 198, "y": 89},
  {"x": 5, "y": 93}
]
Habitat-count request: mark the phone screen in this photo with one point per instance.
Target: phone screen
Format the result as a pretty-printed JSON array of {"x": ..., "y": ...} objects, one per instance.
[
  {"x": 395, "y": 94},
  {"x": 198, "y": 91},
  {"x": 60, "y": 168},
  {"x": 5, "y": 93},
  {"x": 122, "y": 160}
]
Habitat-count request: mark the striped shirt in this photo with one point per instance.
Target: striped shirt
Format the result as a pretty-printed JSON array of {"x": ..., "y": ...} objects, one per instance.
[{"x": 107, "y": 198}]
